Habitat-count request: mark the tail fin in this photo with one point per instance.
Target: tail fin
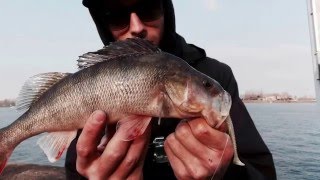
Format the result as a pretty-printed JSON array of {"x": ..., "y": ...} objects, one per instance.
[
  {"x": 5, "y": 153},
  {"x": 5, "y": 150},
  {"x": 3, "y": 161}
]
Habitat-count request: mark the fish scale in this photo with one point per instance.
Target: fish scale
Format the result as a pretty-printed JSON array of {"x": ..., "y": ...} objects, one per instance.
[{"x": 132, "y": 81}]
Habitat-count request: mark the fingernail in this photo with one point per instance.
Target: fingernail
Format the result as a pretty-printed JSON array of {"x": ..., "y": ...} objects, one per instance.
[{"x": 98, "y": 116}]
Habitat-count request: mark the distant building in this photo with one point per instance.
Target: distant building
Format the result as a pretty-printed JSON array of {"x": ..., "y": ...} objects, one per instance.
[{"x": 7, "y": 103}]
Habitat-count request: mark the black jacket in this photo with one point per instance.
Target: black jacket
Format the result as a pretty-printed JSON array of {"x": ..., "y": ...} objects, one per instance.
[{"x": 252, "y": 150}]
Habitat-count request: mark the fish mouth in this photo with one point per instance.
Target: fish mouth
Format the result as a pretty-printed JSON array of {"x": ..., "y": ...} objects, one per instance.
[{"x": 222, "y": 104}]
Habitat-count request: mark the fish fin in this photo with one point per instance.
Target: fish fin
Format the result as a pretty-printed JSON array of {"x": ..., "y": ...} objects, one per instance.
[
  {"x": 132, "y": 126},
  {"x": 117, "y": 49},
  {"x": 236, "y": 159},
  {"x": 4, "y": 160},
  {"x": 35, "y": 86},
  {"x": 7, "y": 145},
  {"x": 3, "y": 165},
  {"x": 55, "y": 143}
]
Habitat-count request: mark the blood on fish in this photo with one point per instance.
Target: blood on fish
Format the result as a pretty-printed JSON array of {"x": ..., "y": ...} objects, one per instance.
[
  {"x": 60, "y": 153},
  {"x": 135, "y": 133}
]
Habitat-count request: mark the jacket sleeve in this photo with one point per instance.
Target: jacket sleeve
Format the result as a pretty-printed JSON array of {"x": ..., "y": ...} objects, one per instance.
[
  {"x": 70, "y": 162},
  {"x": 252, "y": 150}
]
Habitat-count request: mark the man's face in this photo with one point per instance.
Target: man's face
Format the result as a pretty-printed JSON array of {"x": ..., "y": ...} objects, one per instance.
[{"x": 136, "y": 18}]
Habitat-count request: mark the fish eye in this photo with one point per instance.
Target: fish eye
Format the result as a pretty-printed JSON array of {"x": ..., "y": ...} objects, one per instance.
[{"x": 207, "y": 84}]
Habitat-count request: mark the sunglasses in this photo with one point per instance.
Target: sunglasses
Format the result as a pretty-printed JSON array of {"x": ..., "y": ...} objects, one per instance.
[{"x": 147, "y": 11}]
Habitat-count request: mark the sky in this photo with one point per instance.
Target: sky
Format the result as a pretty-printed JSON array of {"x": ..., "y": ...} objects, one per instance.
[{"x": 266, "y": 43}]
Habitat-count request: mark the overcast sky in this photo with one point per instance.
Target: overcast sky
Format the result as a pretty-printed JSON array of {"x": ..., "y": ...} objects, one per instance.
[{"x": 266, "y": 43}]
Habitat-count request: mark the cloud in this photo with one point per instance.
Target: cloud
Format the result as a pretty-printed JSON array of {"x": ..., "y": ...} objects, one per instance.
[{"x": 211, "y": 5}]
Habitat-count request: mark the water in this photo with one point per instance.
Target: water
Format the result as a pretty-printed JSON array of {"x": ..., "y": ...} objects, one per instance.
[{"x": 291, "y": 131}]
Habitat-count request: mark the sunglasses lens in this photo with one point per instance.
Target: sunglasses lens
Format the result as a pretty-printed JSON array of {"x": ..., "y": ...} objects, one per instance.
[
  {"x": 150, "y": 11},
  {"x": 118, "y": 20},
  {"x": 147, "y": 11}
]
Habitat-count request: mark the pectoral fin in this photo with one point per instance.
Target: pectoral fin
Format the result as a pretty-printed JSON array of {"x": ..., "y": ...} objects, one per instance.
[{"x": 132, "y": 126}]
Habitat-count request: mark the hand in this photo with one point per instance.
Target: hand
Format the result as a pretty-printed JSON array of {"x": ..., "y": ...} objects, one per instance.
[
  {"x": 197, "y": 151},
  {"x": 119, "y": 160}
]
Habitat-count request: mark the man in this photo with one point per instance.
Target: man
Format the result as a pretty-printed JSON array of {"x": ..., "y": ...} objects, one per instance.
[{"x": 194, "y": 149}]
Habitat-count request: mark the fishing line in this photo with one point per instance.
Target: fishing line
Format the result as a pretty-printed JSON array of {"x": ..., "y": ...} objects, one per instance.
[{"x": 224, "y": 149}]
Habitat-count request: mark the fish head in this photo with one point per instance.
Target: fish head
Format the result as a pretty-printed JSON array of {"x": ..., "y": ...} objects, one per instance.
[{"x": 194, "y": 94}]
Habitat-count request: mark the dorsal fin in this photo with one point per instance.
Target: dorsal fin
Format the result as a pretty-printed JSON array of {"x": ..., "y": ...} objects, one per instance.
[
  {"x": 35, "y": 86},
  {"x": 118, "y": 49}
]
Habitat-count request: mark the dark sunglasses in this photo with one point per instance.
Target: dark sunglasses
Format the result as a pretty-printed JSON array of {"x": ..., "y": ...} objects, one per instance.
[{"x": 147, "y": 10}]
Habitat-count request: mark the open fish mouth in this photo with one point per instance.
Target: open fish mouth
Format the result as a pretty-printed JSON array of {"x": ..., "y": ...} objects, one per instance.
[{"x": 222, "y": 104}]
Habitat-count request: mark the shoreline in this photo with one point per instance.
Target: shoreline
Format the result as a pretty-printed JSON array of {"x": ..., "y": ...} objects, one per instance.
[{"x": 33, "y": 172}]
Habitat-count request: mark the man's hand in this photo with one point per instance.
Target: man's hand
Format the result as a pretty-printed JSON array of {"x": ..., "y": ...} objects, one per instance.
[
  {"x": 120, "y": 159},
  {"x": 197, "y": 151}
]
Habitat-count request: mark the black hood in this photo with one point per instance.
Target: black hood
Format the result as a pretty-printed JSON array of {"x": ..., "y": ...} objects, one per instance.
[{"x": 171, "y": 41}]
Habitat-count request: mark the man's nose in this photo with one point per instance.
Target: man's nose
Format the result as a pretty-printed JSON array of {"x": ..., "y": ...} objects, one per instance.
[{"x": 137, "y": 28}]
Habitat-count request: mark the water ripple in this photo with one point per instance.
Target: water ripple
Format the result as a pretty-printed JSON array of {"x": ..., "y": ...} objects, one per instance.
[{"x": 291, "y": 132}]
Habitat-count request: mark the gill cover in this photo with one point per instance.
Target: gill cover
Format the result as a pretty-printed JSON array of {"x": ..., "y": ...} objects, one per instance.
[{"x": 186, "y": 97}]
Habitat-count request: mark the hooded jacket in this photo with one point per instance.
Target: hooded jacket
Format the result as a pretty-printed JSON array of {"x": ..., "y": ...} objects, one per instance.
[{"x": 251, "y": 148}]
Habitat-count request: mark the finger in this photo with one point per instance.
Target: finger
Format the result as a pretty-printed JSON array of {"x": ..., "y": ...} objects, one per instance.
[
  {"x": 177, "y": 166},
  {"x": 136, "y": 174},
  {"x": 131, "y": 166},
  {"x": 224, "y": 160},
  {"x": 198, "y": 149},
  {"x": 223, "y": 127},
  {"x": 113, "y": 154},
  {"x": 89, "y": 138},
  {"x": 192, "y": 164},
  {"x": 212, "y": 138}
]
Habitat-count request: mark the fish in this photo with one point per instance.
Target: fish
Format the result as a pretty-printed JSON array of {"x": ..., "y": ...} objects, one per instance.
[{"x": 131, "y": 80}]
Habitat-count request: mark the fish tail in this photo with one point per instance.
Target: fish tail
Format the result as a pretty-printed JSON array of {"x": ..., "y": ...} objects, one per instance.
[
  {"x": 2, "y": 165},
  {"x": 3, "y": 161},
  {"x": 5, "y": 152}
]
